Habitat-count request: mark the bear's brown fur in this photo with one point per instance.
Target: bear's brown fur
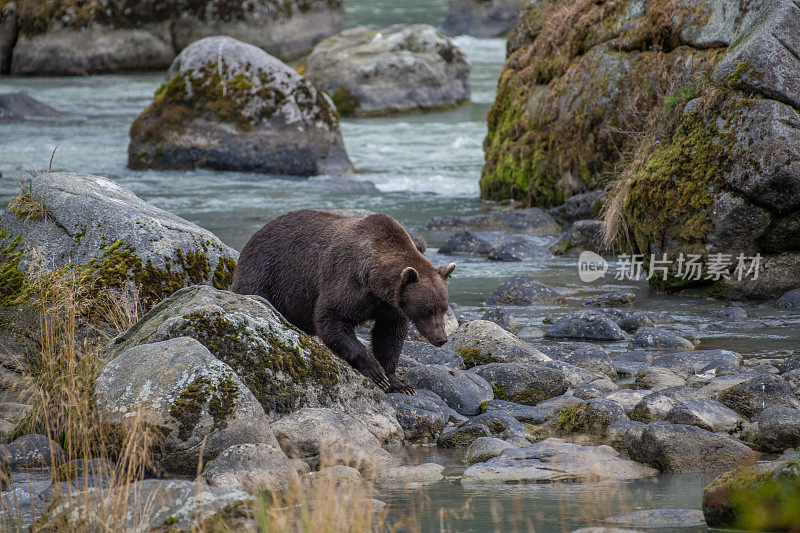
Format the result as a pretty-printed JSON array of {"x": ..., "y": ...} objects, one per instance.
[{"x": 328, "y": 273}]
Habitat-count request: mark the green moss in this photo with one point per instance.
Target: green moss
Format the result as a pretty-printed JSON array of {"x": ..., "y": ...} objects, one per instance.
[
  {"x": 484, "y": 405},
  {"x": 170, "y": 521},
  {"x": 13, "y": 281},
  {"x": 472, "y": 357},
  {"x": 498, "y": 390},
  {"x": 580, "y": 419},
  {"x": 188, "y": 407},
  {"x": 345, "y": 101},
  {"x": 536, "y": 433},
  {"x": 679, "y": 97},
  {"x": 223, "y": 274}
]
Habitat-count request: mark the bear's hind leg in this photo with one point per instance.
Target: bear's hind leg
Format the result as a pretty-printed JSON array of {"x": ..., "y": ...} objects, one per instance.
[{"x": 388, "y": 335}]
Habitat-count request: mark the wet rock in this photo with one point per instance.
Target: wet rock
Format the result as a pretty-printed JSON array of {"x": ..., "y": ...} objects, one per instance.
[
  {"x": 705, "y": 413},
  {"x": 611, "y": 299},
  {"x": 465, "y": 242},
  {"x": 404, "y": 67},
  {"x": 751, "y": 397},
  {"x": 656, "y": 378},
  {"x": 530, "y": 220},
  {"x": 335, "y": 476},
  {"x": 790, "y": 299},
  {"x": 410, "y": 476},
  {"x": 575, "y": 375},
  {"x": 578, "y": 207},
  {"x": 581, "y": 235},
  {"x": 481, "y": 19},
  {"x": 481, "y": 342},
  {"x": 227, "y": 105},
  {"x": 675, "y": 448},
  {"x": 259, "y": 344},
  {"x": 462, "y": 436},
  {"x": 733, "y": 313},
  {"x": 200, "y": 402},
  {"x": 422, "y": 416},
  {"x": 462, "y": 391},
  {"x": 518, "y": 249},
  {"x": 523, "y": 290},
  {"x": 659, "y": 339},
  {"x": 592, "y": 358},
  {"x": 428, "y": 354},
  {"x": 502, "y": 318},
  {"x": 126, "y": 242},
  {"x": 180, "y": 503},
  {"x": 18, "y": 106},
  {"x": 633, "y": 322},
  {"x": 622, "y": 434},
  {"x": 590, "y": 418},
  {"x": 253, "y": 468},
  {"x": 779, "y": 428},
  {"x": 684, "y": 364},
  {"x": 585, "y": 325},
  {"x": 554, "y": 460},
  {"x": 628, "y": 399},
  {"x": 31, "y": 451},
  {"x": 484, "y": 448},
  {"x": 523, "y": 383},
  {"x": 660, "y": 518},
  {"x": 524, "y": 413},
  {"x": 321, "y": 436},
  {"x": 775, "y": 36}
]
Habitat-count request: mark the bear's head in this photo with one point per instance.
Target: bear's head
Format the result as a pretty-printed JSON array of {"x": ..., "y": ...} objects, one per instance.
[{"x": 423, "y": 299}]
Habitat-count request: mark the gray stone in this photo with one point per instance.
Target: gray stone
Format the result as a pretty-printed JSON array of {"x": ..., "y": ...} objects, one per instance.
[
  {"x": 628, "y": 399},
  {"x": 633, "y": 322},
  {"x": 523, "y": 290},
  {"x": 502, "y": 318},
  {"x": 720, "y": 383},
  {"x": 765, "y": 58},
  {"x": 659, "y": 339},
  {"x": 462, "y": 436},
  {"x": 790, "y": 299},
  {"x": 518, "y": 248},
  {"x": 585, "y": 325},
  {"x": 31, "y": 451},
  {"x": 779, "y": 428},
  {"x": 422, "y": 416},
  {"x": 462, "y": 391},
  {"x": 338, "y": 476},
  {"x": 179, "y": 386},
  {"x": 481, "y": 342},
  {"x": 378, "y": 71},
  {"x": 259, "y": 344},
  {"x": 578, "y": 207},
  {"x": 530, "y": 220},
  {"x": 253, "y": 468},
  {"x": 525, "y": 413},
  {"x": 582, "y": 235},
  {"x": 705, "y": 413},
  {"x": 18, "y": 106},
  {"x": 738, "y": 225},
  {"x": 791, "y": 363},
  {"x": 660, "y": 518},
  {"x": 290, "y": 127},
  {"x": 684, "y": 364},
  {"x": 523, "y": 383},
  {"x": 553, "y": 460},
  {"x": 481, "y": 19},
  {"x": 575, "y": 375},
  {"x": 465, "y": 242},
  {"x": 592, "y": 358},
  {"x": 751, "y": 397},
  {"x": 623, "y": 434},
  {"x": 428, "y": 354},
  {"x": 590, "y": 418},
  {"x": 484, "y": 448},
  {"x": 407, "y": 477},
  {"x": 320, "y": 436},
  {"x": 657, "y": 378},
  {"x": 676, "y": 448},
  {"x": 612, "y": 299},
  {"x": 589, "y": 391},
  {"x": 93, "y": 222}
]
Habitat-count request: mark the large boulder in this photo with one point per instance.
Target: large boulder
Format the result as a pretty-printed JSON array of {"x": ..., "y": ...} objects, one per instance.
[
  {"x": 751, "y": 397},
  {"x": 18, "y": 106},
  {"x": 200, "y": 404},
  {"x": 523, "y": 290},
  {"x": 464, "y": 392},
  {"x": 588, "y": 325},
  {"x": 372, "y": 71},
  {"x": 523, "y": 383},
  {"x": 422, "y": 416},
  {"x": 228, "y": 105},
  {"x": 480, "y": 342},
  {"x": 480, "y": 18},
  {"x": 284, "y": 368},
  {"x": 124, "y": 242},
  {"x": 61, "y": 38},
  {"x": 779, "y": 428},
  {"x": 253, "y": 468}
]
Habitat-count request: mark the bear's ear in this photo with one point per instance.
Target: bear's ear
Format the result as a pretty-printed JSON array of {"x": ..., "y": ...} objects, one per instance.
[
  {"x": 409, "y": 275},
  {"x": 446, "y": 270}
]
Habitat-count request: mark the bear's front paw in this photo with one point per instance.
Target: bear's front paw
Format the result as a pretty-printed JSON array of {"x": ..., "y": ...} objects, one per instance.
[
  {"x": 398, "y": 386},
  {"x": 374, "y": 371}
]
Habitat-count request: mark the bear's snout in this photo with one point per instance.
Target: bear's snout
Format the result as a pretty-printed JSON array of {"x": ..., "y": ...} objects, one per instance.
[{"x": 439, "y": 340}]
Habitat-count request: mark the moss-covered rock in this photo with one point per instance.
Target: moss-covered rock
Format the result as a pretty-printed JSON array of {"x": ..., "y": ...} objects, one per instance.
[
  {"x": 117, "y": 240},
  {"x": 580, "y": 76},
  {"x": 378, "y": 71},
  {"x": 200, "y": 405},
  {"x": 228, "y": 105},
  {"x": 285, "y": 369}
]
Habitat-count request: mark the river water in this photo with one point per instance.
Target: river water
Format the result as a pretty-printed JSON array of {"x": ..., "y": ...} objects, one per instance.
[{"x": 423, "y": 165}]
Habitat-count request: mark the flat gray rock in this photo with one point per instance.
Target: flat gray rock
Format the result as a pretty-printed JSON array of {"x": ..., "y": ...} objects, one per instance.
[
  {"x": 660, "y": 518},
  {"x": 585, "y": 325},
  {"x": 465, "y": 242},
  {"x": 705, "y": 413},
  {"x": 659, "y": 339},
  {"x": 462, "y": 391}
]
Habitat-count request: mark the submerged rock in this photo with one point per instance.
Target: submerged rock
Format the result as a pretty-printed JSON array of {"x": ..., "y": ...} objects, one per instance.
[
  {"x": 494, "y": 18},
  {"x": 554, "y": 460},
  {"x": 201, "y": 404},
  {"x": 19, "y": 106},
  {"x": 284, "y": 368},
  {"x": 518, "y": 249},
  {"x": 659, "y": 518},
  {"x": 227, "y": 105},
  {"x": 371, "y": 71},
  {"x": 409, "y": 476}
]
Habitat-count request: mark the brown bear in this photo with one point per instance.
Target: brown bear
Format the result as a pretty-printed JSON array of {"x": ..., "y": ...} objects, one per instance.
[{"x": 328, "y": 273}]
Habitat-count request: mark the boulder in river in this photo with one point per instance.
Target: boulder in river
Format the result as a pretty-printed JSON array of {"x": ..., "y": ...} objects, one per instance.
[
  {"x": 481, "y": 342},
  {"x": 585, "y": 325},
  {"x": 371, "y": 71},
  {"x": 531, "y": 220},
  {"x": 284, "y": 368},
  {"x": 493, "y": 18},
  {"x": 18, "y": 106},
  {"x": 779, "y": 428},
  {"x": 464, "y": 392},
  {"x": 523, "y": 290},
  {"x": 422, "y": 416},
  {"x": 523, "y": 383},
  {"x": 749, "y": 398},
  {"x": 228, "y": 105}
]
